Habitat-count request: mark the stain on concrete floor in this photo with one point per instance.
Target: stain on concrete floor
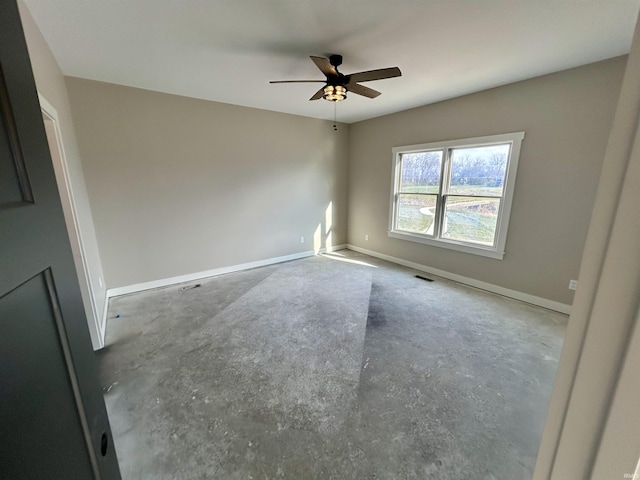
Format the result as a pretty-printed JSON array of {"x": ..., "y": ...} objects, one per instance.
[{"x": 320, "y": 368}]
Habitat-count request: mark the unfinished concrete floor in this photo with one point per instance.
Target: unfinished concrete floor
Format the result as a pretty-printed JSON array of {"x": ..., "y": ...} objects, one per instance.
[{"x": 331, "y": 367}]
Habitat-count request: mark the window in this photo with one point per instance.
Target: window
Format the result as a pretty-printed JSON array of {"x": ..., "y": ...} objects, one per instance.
[{"x": 455, "y": 194}]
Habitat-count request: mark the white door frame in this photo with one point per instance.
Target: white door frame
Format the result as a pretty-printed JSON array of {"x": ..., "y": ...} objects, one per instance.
[{"x": 65, "y": 188}]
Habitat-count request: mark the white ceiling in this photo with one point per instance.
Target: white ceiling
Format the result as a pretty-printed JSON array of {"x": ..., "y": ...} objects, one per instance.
[{"x": 228, "y": 50}]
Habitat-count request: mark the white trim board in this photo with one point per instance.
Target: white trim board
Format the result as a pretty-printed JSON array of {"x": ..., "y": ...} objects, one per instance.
[
  {"x": 506, "y": 292},
  {"x": 67, "y": 197},
  {"x": 190, "y": 277},
  {"x": 165, "y": 282},
  {"x": 103, "y": 329}
]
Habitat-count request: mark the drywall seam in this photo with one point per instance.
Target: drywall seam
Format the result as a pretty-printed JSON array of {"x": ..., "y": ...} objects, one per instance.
[
  {"x": 190, "y": 277},
  {"x": 506, "y": 292}
]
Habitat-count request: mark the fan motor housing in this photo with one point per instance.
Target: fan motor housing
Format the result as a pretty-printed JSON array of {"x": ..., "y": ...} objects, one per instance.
[{"x": 335, "y": 60}]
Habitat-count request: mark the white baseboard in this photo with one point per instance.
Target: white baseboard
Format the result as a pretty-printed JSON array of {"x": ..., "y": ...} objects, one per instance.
[
  {"x": 190, "y": 277},
  {"x": 523, "y": 297}
]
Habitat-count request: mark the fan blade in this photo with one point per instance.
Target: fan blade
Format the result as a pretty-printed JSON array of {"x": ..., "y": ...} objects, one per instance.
[
  {"x": 371, "y": 75},
  {"x": 318, "y": 95},
  {"x": 324, "y": 66},
  {"x": 298, "y": 81},
  {"x": 362, "y": 90}
]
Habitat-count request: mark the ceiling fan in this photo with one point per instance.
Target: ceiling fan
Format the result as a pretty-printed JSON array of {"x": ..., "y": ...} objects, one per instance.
[{"x": 337, "y": 84}]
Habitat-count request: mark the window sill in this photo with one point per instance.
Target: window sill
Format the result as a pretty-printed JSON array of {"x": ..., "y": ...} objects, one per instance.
[{"x": 450, "y": 245}]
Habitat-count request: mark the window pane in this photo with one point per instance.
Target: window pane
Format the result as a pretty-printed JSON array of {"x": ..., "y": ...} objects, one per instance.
[
  {"x": 416, "y": 213},
  {"x": 471, "y": 219},
  {"x": 479, "y": 170},
  {"x": 420, "y": 172}
]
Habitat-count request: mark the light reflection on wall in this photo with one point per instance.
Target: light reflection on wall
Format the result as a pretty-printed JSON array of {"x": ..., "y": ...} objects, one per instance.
[
  {"x": 328, "y": 227},
  {"x": 317, "y": 239},
  {"x": 323, "y": 237}
]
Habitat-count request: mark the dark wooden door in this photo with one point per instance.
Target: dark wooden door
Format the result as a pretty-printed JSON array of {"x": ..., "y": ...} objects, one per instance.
[{"x": 53, "y": 422}]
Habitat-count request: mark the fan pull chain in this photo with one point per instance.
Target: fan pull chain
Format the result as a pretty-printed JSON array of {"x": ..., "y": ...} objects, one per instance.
[{"x": 335, "y": 127}]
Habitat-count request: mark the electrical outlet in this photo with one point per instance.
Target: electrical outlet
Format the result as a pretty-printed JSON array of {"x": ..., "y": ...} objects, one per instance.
[
  {"x": 366, "y": 238},
  {"x": 573, "y": 284},
  {"x": 301, "y": 239}
]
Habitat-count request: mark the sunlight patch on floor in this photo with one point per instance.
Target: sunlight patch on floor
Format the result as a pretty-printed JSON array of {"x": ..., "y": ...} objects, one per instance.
[{"x": 341, "y": 258}]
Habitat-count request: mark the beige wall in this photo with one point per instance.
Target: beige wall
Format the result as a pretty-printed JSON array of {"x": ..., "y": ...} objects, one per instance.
[
  {"x": 180, "y": 185},
  {"x": 51, "y": 84},
  {"x": 566, "y": 116},
  {"x": 592, "y": 428}
]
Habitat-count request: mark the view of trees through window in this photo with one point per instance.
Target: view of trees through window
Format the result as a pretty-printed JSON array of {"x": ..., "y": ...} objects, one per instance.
[
  {"x": 419, "y": 191},
  {"x": 469, "y": 190}
]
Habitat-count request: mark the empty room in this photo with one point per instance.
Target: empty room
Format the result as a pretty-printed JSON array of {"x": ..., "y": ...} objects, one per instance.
[{"x": 318, "y": 240}]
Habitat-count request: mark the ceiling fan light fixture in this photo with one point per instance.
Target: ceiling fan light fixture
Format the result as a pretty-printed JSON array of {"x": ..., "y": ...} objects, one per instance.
[
  {"x": 337, "y": 85},
  {"x": 334, "y": 93}
]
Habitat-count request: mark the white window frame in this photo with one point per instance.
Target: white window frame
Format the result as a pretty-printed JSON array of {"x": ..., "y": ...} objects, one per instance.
[{"x": 497, "y": 250}]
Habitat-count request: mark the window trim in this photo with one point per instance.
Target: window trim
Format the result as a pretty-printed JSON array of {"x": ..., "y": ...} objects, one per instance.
[{"x": 496, "y": 251}]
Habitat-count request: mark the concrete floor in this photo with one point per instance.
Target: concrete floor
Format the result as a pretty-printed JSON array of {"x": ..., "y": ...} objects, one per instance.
[{"x": 332, "y": 367}]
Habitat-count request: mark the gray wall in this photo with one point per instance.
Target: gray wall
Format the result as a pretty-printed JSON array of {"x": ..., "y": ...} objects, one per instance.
[
  {"x": 180, "y": 185},
  {"x": 51, "y": 84},
  {"x": 566, "y": 116}
]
